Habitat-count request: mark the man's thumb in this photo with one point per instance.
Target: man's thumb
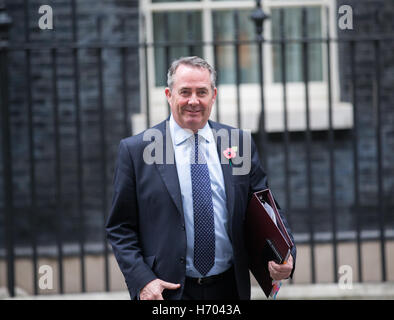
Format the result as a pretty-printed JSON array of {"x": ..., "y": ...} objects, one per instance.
[{"x": 169, "y": 285}]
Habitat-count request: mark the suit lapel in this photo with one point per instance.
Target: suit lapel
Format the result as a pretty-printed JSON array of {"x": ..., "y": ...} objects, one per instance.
[{"x": 167, "y": 170}]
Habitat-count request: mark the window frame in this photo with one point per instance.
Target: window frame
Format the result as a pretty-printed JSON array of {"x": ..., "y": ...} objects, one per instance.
[{"x": 250, "y": 108}]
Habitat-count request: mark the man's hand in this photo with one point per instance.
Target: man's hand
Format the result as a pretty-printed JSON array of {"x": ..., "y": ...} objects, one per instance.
[
  {"x": 280, "y": 271},
  {"x": 153, "y": 290}
]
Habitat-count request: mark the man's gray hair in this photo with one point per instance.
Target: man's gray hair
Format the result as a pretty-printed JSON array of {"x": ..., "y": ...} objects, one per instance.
[{"x": 194, "y": 61}]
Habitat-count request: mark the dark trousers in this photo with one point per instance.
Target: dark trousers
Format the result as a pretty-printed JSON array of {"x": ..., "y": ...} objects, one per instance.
[{"x": 222, "y": 287}]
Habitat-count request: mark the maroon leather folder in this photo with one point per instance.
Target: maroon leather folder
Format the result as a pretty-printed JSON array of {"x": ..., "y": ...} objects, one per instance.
[{"x": 265, "y": 240}]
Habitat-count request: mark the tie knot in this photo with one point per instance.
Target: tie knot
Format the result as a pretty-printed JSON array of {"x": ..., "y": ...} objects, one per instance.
[{"x": 196, "y": 139}]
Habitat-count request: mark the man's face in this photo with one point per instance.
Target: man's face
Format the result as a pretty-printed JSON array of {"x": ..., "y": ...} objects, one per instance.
[{"x": 191, "y": 97}]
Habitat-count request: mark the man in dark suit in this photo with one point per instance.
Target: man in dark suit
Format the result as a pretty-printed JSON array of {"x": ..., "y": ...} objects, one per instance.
[{"x": 181, "y": 190}]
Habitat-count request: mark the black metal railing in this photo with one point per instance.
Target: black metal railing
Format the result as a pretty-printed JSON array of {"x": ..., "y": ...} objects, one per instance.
[
  {"x": 5, "y": 23},
  {"x": 75, "y": 47}
]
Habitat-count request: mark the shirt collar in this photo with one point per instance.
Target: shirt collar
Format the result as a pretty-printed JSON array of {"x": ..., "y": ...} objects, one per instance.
[{"x": 179, "y": 134}]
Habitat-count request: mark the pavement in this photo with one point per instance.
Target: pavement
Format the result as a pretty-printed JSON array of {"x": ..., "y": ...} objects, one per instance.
[{"x": 329, "y": 291}]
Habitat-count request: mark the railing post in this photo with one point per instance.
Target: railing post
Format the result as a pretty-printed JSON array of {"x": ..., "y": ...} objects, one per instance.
[
  {"x": 258, "y": 16},
  {"x": 5, "y": 23}
]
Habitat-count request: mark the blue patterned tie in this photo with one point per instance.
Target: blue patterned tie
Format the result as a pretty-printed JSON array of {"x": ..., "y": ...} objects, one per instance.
[{"x": 204, "y": 226}]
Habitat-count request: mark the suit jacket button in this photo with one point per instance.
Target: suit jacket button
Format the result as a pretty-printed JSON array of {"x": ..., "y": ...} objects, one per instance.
[{"x": 182, "y": 259}]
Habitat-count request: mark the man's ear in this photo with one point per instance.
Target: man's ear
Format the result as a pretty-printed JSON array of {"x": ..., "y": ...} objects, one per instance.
[
  {"x": 215, "y": 92},
  {"x": 167, "y": 91}
]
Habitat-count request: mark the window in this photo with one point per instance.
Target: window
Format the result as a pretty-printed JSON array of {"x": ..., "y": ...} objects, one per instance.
[
  {"x": 192, "y": 27},
  {"x": 293, "y": 30},
  {"x": 229, "y": 25},
  {"x": 166, "y": 29}
]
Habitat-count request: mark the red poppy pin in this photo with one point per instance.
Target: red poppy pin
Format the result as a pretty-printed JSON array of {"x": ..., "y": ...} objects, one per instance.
[{"x": 230, "y": 153}]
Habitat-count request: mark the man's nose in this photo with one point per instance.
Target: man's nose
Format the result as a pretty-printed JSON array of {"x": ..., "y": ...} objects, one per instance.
[{"x": 193, "y": 100}]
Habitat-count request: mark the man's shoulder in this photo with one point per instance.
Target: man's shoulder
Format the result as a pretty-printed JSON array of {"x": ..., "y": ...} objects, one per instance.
[
  {"x": 141, "y": 139},
  {"x": 221, "y": 126}
]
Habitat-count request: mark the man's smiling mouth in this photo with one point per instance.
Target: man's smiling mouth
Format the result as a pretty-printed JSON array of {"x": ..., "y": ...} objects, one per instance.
[{"x": 193, "y": 111}]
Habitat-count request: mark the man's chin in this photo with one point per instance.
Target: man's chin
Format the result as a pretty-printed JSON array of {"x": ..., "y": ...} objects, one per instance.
[{"x": 194, "y": 124}]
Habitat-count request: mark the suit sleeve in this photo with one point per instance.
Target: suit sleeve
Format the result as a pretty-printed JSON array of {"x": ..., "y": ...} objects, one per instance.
[
  {"x": 258, "y": 181},
  {"x": 122, "y": 225}
]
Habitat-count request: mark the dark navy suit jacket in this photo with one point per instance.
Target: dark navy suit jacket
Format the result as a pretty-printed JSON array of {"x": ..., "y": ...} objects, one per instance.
[{"x": 146, "y": 224}]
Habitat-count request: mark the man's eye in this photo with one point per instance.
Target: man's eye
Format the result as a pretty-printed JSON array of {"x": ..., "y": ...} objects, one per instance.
[
  {"x": 202, "y": 93},
  {"x": 184, "y": 92}
]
